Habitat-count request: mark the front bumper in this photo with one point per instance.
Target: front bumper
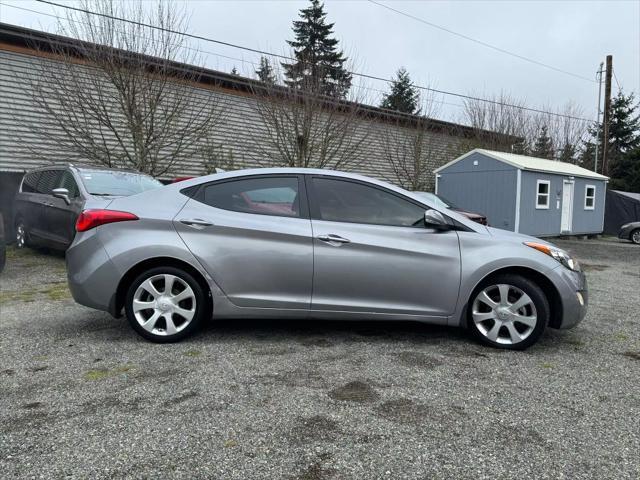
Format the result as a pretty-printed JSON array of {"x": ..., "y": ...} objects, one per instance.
[{"x": 574, "y": 295}]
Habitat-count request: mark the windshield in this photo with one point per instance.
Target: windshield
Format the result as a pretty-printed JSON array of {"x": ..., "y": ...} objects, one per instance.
[
  {"x": 108, "y": 182},
  {"x": 437, "y": 200}
]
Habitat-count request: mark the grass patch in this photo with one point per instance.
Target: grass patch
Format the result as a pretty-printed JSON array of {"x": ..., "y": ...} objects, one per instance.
[
  {"x": 547, "y": 365},
  {"x": 23, "y": 296},
  {"x": 102, "y": 373},
  {"x": 53, "y": 291},
  {"x": 621, "y": 336},
  {"x": 193, "y": 353},
  {"x": 230, "y": 444},
  {"x": 57, "y": 291}
]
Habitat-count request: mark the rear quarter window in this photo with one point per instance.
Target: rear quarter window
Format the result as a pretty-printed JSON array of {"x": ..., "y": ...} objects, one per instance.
[{"x": 30, "y": 181}]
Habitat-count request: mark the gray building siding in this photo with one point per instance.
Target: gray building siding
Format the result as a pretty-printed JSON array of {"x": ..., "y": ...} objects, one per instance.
[
  {"x": 488, "y": 187},
  {"x": 588, "y": 221},
  {"x": 479, "y": 183},
  {"x": 241, "y": 129},
  {"x": 542, "y": 222}
]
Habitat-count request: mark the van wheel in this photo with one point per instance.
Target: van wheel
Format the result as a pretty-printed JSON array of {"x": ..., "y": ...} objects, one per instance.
[
  {"x": 22, "y": 237},
  {"x": 508, "y": 311},
  {"x": 165, "y": 304}
]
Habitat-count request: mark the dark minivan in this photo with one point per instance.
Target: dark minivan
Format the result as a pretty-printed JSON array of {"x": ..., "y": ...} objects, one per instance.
[{"x": 50, "y": 199}]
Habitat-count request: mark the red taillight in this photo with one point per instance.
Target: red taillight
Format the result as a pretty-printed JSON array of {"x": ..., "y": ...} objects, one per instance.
[{"x": 94, "y": 218}]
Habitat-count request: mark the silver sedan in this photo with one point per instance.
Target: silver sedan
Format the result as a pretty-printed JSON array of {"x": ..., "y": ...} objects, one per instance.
[{"x": 302, "y": 243}]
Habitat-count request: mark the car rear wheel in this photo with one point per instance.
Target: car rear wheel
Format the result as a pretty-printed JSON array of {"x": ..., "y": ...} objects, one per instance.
[
  {"x": 22, "y": 237},
  {"x": 635, "y": 236},
  {"x": 165, "y": 304},
  {"x": 508, "y": 312}
]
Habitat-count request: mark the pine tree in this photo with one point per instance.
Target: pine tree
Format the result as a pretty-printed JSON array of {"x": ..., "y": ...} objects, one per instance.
[
  {"x": 265, "y": 72},
  {"x": 624, "y": 139},
  {"x": 568, "y": 153},
  {"x": 319, "y": 66},
  {"x": 404, "y": 96},
  {"x": 543, "y": 147},
  {"x": 234, "y": 71},
  {"x": 622, "y": 146}
]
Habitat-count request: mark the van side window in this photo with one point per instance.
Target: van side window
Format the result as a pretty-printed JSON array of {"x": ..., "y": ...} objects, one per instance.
[
  {"x": 67, "y": 181},
  {"x": 30, "y": 181},
  {"x": 49, "y": 180}
]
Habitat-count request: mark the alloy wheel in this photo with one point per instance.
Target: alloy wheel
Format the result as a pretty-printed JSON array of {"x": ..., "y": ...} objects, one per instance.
[
  {"x": 635, "y": 236},
  {"x": 164, "y": 304},
  {"x": 21, "y": 236},
  {"x": 504, "y": 314}
]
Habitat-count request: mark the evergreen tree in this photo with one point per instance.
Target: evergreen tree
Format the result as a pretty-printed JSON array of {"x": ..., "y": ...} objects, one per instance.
[
  {"x": 622, "y": 145},
  {"x": 265, "y": 72},
  {"x": 404, "y": 96},
  {"x": 319, "y": 65},
  {"x": 568, "y": 153},
  {"x": 234, "y": 71},
  {"x": 543, "y": 147},
  {"x": 624, "y": 139}
]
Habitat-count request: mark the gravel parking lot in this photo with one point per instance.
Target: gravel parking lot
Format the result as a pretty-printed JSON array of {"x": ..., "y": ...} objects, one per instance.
[{"x": 82, "y": 396}]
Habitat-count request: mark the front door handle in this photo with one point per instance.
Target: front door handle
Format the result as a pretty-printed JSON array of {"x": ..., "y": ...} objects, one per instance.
[
  {"x": 332, "y": 238},
  {"x": 196, "y": 222}
]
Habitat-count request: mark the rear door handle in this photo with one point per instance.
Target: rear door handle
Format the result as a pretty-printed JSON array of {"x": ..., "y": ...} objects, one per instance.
[
  {"x": 332, "y": 238},
  {"x": 196, "y": 222}
]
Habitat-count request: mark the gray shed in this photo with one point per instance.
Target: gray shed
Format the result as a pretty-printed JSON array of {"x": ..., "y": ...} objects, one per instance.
[{"x": 525, "y": 194}]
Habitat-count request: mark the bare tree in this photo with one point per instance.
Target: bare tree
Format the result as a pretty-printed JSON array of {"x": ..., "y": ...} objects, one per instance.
[
  {"x": 305, "y": 129},
  {"x": 408, "y": 148},
  {"x": 505, "y": 124},
  {"x": 122, "y": 96},
  {"x": 499, "y": 124}
]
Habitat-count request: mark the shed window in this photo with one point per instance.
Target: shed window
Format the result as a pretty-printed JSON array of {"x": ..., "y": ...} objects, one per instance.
[
  {"x": 589, "y": 197},
  {"x": 542, "y": 194}
]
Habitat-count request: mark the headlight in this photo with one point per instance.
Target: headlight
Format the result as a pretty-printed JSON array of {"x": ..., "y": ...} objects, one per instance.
[{"x": 560, "y": 255}]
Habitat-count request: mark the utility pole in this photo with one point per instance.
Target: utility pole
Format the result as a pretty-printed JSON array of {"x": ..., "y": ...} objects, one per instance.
[
  {"x": 599, "y": 77},
  {"x": 607, "y": 114}
]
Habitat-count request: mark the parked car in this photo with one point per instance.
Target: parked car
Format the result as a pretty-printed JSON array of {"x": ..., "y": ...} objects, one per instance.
[
  {"x": 3, "y": 245},
  {"x": 347, "y": 247},
  {"x": 50, "y": 199},
  {"x": 440, "y": 201},
  {"x": 630, "y": 231}
]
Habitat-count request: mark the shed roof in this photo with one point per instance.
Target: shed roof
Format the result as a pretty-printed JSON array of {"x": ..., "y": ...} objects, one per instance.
[{"x": 535, "y": 164}]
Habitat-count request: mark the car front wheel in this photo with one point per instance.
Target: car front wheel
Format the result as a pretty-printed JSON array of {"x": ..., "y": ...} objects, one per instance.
[
  {"x": 165, "y": 304},
  {"x": 508, "y": 311}
]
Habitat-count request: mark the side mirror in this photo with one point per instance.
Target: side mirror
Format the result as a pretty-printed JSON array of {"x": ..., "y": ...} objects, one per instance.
[
  {"x": 62, "y": 193},
  {"x": 434, "y": 219}
]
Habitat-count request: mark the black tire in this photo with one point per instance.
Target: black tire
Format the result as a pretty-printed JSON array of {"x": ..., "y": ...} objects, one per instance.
[
  {"x": 202, "y": 306},
  {"x": 634, "y": 236},
  {"x": 531, "y": 332},
  {"x": 20, "y": 229}
]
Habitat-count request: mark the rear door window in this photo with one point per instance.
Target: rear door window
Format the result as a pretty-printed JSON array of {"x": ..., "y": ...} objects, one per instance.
[
  {"x": 30, "y": 182},
  {"x": 266, "y": 196},
  {"x": 49, "y": 180}
]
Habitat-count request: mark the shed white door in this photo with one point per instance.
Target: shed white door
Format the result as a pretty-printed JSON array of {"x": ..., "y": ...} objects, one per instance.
[{"x": 567, "y": 206}]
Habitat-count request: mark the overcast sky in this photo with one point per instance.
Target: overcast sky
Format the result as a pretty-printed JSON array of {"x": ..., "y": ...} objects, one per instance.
[{"x": 571, "y": 35}]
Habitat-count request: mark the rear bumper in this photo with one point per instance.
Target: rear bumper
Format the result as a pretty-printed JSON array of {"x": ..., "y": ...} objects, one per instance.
[
  {"x": 91, "y": 274},
  {"x": 574, "y": 295}
]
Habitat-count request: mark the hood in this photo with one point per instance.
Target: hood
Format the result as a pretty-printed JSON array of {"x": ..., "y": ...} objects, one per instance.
[{"x": 515, "y": 237}]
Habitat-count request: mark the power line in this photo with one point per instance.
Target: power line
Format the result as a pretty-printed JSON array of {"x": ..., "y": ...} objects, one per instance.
[
  {"x": 284, "y": 57},
  {"x": 616, "y": 79},
  {"x": 208, "y": 52},
  {"x": 479, "y": 42}
]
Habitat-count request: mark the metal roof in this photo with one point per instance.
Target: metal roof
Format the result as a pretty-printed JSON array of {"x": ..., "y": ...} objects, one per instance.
[{"x": 535, "y": 164}]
